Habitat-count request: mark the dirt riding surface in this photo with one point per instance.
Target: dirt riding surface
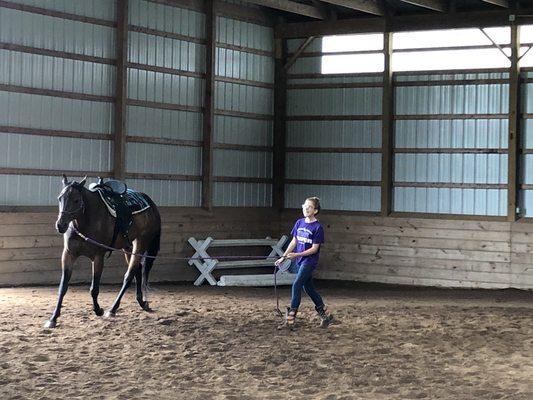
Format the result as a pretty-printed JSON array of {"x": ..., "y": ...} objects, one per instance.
[{"x": 222, "y": 343}]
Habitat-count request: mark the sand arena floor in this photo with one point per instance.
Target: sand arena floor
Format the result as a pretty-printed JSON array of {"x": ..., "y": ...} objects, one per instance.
[{"x": 222, "y": 343}]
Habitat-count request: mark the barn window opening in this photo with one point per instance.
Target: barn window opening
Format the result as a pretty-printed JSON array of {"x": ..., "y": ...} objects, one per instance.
[
  {"x": 352, "y": 53},
  {"x": 448, "y": 49}
]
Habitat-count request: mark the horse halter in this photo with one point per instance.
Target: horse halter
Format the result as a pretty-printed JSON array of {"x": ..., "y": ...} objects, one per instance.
[{"x": 72, "y": 213}]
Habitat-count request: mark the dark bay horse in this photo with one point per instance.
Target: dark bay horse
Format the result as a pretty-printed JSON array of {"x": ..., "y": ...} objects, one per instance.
[{"x": 84, "y": 210}]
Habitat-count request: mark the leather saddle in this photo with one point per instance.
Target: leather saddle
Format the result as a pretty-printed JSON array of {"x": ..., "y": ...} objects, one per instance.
[{"x": 112, "y": 185}]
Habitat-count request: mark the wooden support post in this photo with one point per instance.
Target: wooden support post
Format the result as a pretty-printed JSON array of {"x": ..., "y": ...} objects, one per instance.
[
  {"x": 121, "y": 92},
  {"x": 387, "y": 128},
  {"x": 514, "y": 125},
  {"x": 280, "y": 110},
  {"x": 209, "y": 105}
]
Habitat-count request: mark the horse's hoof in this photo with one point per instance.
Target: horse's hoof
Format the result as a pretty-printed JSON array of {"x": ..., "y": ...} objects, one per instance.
[
  {"x": 109, "y": 314},
  {"x": 99, "y": 312},
  {"x": 146, "y": 306},
  {"x": 50, "y": 324}
]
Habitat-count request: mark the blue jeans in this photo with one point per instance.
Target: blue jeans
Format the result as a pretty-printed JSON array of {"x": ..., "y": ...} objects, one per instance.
[{"x": 304, "y": 280}]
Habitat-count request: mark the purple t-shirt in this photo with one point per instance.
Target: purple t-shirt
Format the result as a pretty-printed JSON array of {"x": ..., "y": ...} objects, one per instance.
[{"x": 306, "y": 235}]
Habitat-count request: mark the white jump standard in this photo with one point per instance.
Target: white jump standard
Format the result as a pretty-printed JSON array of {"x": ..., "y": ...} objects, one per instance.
[{"x": 206, "y": 264}]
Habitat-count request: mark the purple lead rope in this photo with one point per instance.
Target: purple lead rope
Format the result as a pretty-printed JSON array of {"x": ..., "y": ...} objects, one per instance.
[
  {"x": 104, "y": 246},
  {"x": 96, "y": 243}
]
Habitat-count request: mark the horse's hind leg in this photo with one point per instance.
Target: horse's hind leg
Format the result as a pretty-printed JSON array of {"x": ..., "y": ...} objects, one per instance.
[
  {"x": 133, "y": 266},
  {"x": 140, "y": 290},
  {"x": 98, "y": 266},
  {"x": 67, "y": 261},
  {"x": 147, "y": 263}
]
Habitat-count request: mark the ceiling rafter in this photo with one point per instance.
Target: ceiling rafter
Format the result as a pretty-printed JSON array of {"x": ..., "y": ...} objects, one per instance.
[
  {"x": 367, "y": 6},
  {"x": 292, "y": 7},
  {"x": 435, "y": 5},
  {"x": 501, "y": 3}
]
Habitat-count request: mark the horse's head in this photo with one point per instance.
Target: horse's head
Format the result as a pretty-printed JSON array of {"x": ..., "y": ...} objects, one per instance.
[{"x": 71, "y": 205}]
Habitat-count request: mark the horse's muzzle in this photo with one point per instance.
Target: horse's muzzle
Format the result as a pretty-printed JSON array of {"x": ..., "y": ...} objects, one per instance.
[{"x": 61, "y": 227}]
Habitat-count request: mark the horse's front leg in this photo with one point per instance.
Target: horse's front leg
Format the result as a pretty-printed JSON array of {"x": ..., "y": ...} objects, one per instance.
[
  {"x": 98, "y": 266},
  {"x": 67, "y": 261},
  {"x": 133, "y": 266}
]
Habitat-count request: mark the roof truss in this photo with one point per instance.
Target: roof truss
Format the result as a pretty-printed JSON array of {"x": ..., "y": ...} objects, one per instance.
[
  {"x": 367, "y": 6},
  {"x": 435, "y": 5},
  {"x": 292, "y": 7}
]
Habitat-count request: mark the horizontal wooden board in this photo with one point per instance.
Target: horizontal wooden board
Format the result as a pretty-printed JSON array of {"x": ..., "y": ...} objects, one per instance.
[
  {"x": 338, "y": 241},
  {"x": 443, "y": 274},
  {"x": 350, "y": 259},
  {"x": 432, "y": 253},
  {"x": 401, "y": 280},
  {"x": 333, "y": 219}
]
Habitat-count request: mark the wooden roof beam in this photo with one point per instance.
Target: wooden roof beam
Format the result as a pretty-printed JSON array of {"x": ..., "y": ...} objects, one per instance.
[
  {"x": 292, "y": 7},
  {"x": 403, "y": 23},
  {"x": 501, "y": 3},
  {"x": 435, "y": 5},
  {"x": 367, "y": 6}
]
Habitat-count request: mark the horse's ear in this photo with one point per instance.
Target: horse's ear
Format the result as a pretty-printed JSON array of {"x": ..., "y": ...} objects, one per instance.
[
  {"x": 82, "y": 183},
  {"x": 64, "y": 180}
]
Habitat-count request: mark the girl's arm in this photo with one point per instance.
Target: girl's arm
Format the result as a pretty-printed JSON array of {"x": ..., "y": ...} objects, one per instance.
[
  {"x": 290, "y": 247},
  {"x": 289, "y": 250},
  {"x": 314, "y": 248}
]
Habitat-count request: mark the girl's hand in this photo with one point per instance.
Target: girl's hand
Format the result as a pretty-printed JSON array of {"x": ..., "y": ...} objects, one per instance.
[{"x": 280, "y": 260}]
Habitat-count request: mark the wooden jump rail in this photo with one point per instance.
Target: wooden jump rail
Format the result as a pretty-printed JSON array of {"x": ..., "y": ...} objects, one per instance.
[{"x": 207, "y": 264}]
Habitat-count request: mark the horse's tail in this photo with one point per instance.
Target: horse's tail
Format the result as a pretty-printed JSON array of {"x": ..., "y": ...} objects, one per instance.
[{"x": 151, "y": 252}]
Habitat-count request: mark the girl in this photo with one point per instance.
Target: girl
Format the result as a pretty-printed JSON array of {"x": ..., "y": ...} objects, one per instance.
[{"x": 307, "y": 236}]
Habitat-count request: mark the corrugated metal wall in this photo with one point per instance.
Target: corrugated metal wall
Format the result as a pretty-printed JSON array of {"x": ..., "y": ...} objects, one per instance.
[
  {"x": 60, "y": 108},
  {"x": 333, "y": 136},
  {"x": 526, "y": 175},
  {"x": 244, "y": 97},
  {"x": 56, "y": 109},
  {"x": 451, "y": 143},
  {"x": 166, "y": 55}
]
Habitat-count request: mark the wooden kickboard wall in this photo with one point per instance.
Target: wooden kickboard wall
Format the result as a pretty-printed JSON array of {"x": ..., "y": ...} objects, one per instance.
[
  {"x": 30, "y": 247},
  {"x": 425, "y": 251},
  {"x": 414, "y": 251}
]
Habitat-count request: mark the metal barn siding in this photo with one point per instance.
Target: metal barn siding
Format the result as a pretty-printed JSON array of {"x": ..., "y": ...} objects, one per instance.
[
  {"x": 242, "y": 194},
  {"x": 37, "y": 124},
  {"x": 55, "y": 113},
  {"x": 30, "y": 190},
  {"x": 166, "y": 52},
  {"x": 526, "y": 159},
  {"x": 52, "y": 33},
  {"x": 45, "y": 72},
  {"x": 101, "y": 9},
  {"x": 172, "y": 19},
  {"x": 244, "y": 110},
  {"x": 166, "y": 193},
  {"x": 346, "y": 198},
  {"x": 364, "y": 134},
  {"x": 491, "y": 202},
  {"x": 244, "y": 98},
  {"x": 163, "y": 159},
  {"x": 338, "y": 166},
  {"x": 352, "y": 101},
  {"x": 311, "y": 124},
  {"x": 244, "y": 131},
  {"x": 54, "y": 153},
  {"x": 165, "y": 92},
  {"x": 245, "y": 34},
  {"x": 164, "y": 88},
  {"x": 483, "y": 173},
  {"x": 164, "y": 124}
]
